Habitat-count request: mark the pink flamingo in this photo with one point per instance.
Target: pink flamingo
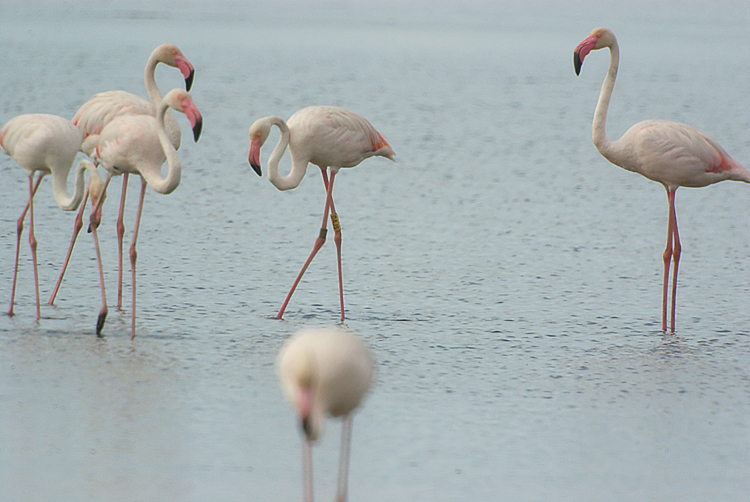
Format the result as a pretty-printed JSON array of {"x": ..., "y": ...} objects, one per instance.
[
  {"x": 329, "y": 137},
  {"x": 670, "y": 153},
  {"x": 94, "y": 115},
  {"x": 139, "y": 144},
  {"x": 325, "y": 372},
  {"x": 48, "y": 144}
]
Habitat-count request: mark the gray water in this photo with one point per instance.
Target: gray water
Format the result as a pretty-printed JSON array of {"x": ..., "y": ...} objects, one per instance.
[{"x": 506, "y": 276}]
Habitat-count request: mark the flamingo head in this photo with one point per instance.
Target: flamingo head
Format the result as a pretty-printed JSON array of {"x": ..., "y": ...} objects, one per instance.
[
  {"x": 170, "y": 55},
  {"x": 298, "y": 373},
  {"x": 182, "y": 102},
  {"x": 259, "y": 132},
  {"x": 599, "y": 38}
]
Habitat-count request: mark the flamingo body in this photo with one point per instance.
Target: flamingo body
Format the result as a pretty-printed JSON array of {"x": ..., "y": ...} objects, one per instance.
[
  {"x": 329, "y": 137},
  {"x": 139, "y": 144},
  {"x": 47, "y": 144},
  {"x": 325, "y": 372},
  {"x": 669, "y": 153}
]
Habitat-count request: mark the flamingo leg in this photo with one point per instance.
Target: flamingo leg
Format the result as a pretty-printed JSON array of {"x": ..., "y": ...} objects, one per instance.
[
  {"x": 677, "y": 250},
  {"x": 134, "y": 254},
  {"x": 19, "y": 231},
  {"x": 120, "y": 236},
  {"x": 316, "y": 247},
  {"x": 346, "y": 443},
  {"x": 94, "y": 220},
  {"x": 103, "y": 312},
  {"x": 336, "y": 239},
  {"x": 33, "y": 243},
  {"x": 77, "y": 225},
  {"x": 668, "y": 254},
  {"x": 307, "y": 478}
]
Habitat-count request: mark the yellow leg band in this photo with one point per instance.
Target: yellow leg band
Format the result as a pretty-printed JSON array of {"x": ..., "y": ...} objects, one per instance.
[{"x": 335, "y": 221}]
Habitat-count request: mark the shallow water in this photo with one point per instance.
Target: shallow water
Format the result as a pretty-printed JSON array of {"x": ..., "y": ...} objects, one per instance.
[{"x": 507, "y": 278}]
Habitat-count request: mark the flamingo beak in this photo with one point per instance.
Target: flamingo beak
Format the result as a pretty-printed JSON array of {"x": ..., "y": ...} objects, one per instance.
[
  {"x": 186, "y": 68},
  {"x": 195, "y": 117},
  {"x": 304, "y": 413},
  {"x": 254, "y": 155},
  {"x": 582, "y": 51}
]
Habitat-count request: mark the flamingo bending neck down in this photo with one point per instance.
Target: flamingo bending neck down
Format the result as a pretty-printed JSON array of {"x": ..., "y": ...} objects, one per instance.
[
  {"x": 47, "y": 144},
  {"x": 325, "y": 372},
  {"x": 94, "y": 115},
  {"x": 669, "y": 153},
  {"x": 329, "y": 137},
  {"x": 139, "y": 144}
]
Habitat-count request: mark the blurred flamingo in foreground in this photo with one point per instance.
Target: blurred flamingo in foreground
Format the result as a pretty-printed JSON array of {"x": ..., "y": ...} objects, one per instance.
[
  {"x": 670, "y": 153},
  {"x": 325, "y": 372},
  {"x": 329, "y": 137},
  {"x": 48, "y": 144},
  {"x": 94, "y": 115},
  {"x": 139, "y": 144}
]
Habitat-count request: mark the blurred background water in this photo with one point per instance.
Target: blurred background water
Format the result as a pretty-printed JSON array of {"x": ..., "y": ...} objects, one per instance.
[{"x": 506, "y": 276}]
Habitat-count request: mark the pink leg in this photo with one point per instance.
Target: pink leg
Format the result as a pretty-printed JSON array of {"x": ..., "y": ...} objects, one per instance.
[
  {"x": 103, "y": 312},
  {"x": 307, "y": 479},
  {"x": 316, "y": 247},
  {"x": 94, "y": 220},
  {"x": 668, "y": 253},
  {"x": 120, "y": 235},
  {"x": 33, "y": 243},
  {"x": 346, "y": 442},
  {"x": 134, "y": 254},
  {"x": 19, "y": 231},
  {"x": 337, "y": 240},
  {"x": 675, "y": 259},
  {"x": 77, "y": 225}
]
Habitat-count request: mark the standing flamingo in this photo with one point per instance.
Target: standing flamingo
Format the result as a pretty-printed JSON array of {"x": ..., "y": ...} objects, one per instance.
[
  {"x": 139, "y": 144},
  {"x": 325, "y": 372},
  {"x": 48, "y": 144},
  {"x": 329, "y": 137},
  {"x": 102, "y": 108},
  {"x": 670, "y": 153}
]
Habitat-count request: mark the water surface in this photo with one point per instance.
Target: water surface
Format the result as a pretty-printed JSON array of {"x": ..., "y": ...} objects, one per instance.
[{"x": 506, "y": 276}]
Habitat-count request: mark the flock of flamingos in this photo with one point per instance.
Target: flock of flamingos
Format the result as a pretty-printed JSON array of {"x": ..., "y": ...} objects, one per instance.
[{"x": 322, "y": 371}]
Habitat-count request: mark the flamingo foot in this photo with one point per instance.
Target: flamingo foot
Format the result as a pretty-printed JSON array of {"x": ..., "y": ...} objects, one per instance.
[{"x": 100, "y": 322}]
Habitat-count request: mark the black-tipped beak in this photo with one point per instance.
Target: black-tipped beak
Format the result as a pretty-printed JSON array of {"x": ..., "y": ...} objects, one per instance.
[
  {"x": 577, "y": 63},
  {"x": 306, "y": 427},
  {"x": 197, "y": 129},
  {"x": 256, "y": 168},
  {"x": 189, "y": 80}
]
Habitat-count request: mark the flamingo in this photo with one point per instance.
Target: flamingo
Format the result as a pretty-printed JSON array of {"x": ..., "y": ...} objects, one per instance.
[
  {"x": 329, "y": 137},
  {"x": 139, "y": 144},
  {"x": 48, "y": 144},
  {"x": 102, "y": 108},
  {"x": 324, "y": 372},
  {"x": 669, "y": 153}
]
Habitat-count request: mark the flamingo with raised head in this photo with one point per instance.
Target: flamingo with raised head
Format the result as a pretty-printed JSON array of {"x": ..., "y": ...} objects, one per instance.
[
  {"x": 329, "y": 137},
  {"x": 47, "y": 144},
  {"x": 139, "y": 144},
  {"x": 325, "y": 372},
  {"x": 670, "y": 153},
  {"x": 94, "y": 115}
]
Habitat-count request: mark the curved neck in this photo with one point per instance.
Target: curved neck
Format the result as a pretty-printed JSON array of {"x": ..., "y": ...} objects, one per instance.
[
  {"x": 603, "y": 144},
  {"x": 297, "y": 172},
  {"x": 155, "y": 95},
  {"x": 150, "y": 80},
  {"x": 174, "y": 174},
  {"x": 60, "y": 186}
]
